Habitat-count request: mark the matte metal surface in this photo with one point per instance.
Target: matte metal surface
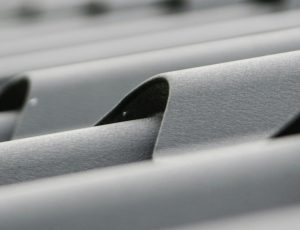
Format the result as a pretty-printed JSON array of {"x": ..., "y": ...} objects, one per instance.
[
  {"x": 173, "y": 192},
  {"x": 60, "y": 100},
  {"x": 79, "y": 150},
  {"x": 155, "y": 41},
  {"x": 220, "y": 104},
  {"x": 99, "y": 32}
]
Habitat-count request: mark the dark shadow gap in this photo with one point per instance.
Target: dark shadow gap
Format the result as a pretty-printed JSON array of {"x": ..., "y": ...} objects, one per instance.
[
  {"x": 14, "y": 95},
  {"x": 146, "y": 101},
  {"x": 292, "y": 128}
]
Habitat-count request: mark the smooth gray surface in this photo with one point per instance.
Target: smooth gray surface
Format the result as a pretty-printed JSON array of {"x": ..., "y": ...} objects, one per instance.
[
  {"x": 155, "y": 41},
  {"x": 100, "y": 32},
  {"x": 276, "y": 219},
  {"x": 76, "y": 96},
  {"x": 78, "y": 150},
  {"x": 49, "y": 10},
  {"x": 27, "y": 28},
  {"x": 111, "y": 4},
  {"x": 21, "y": 27},
  {"x": 172, "y": 192}
]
